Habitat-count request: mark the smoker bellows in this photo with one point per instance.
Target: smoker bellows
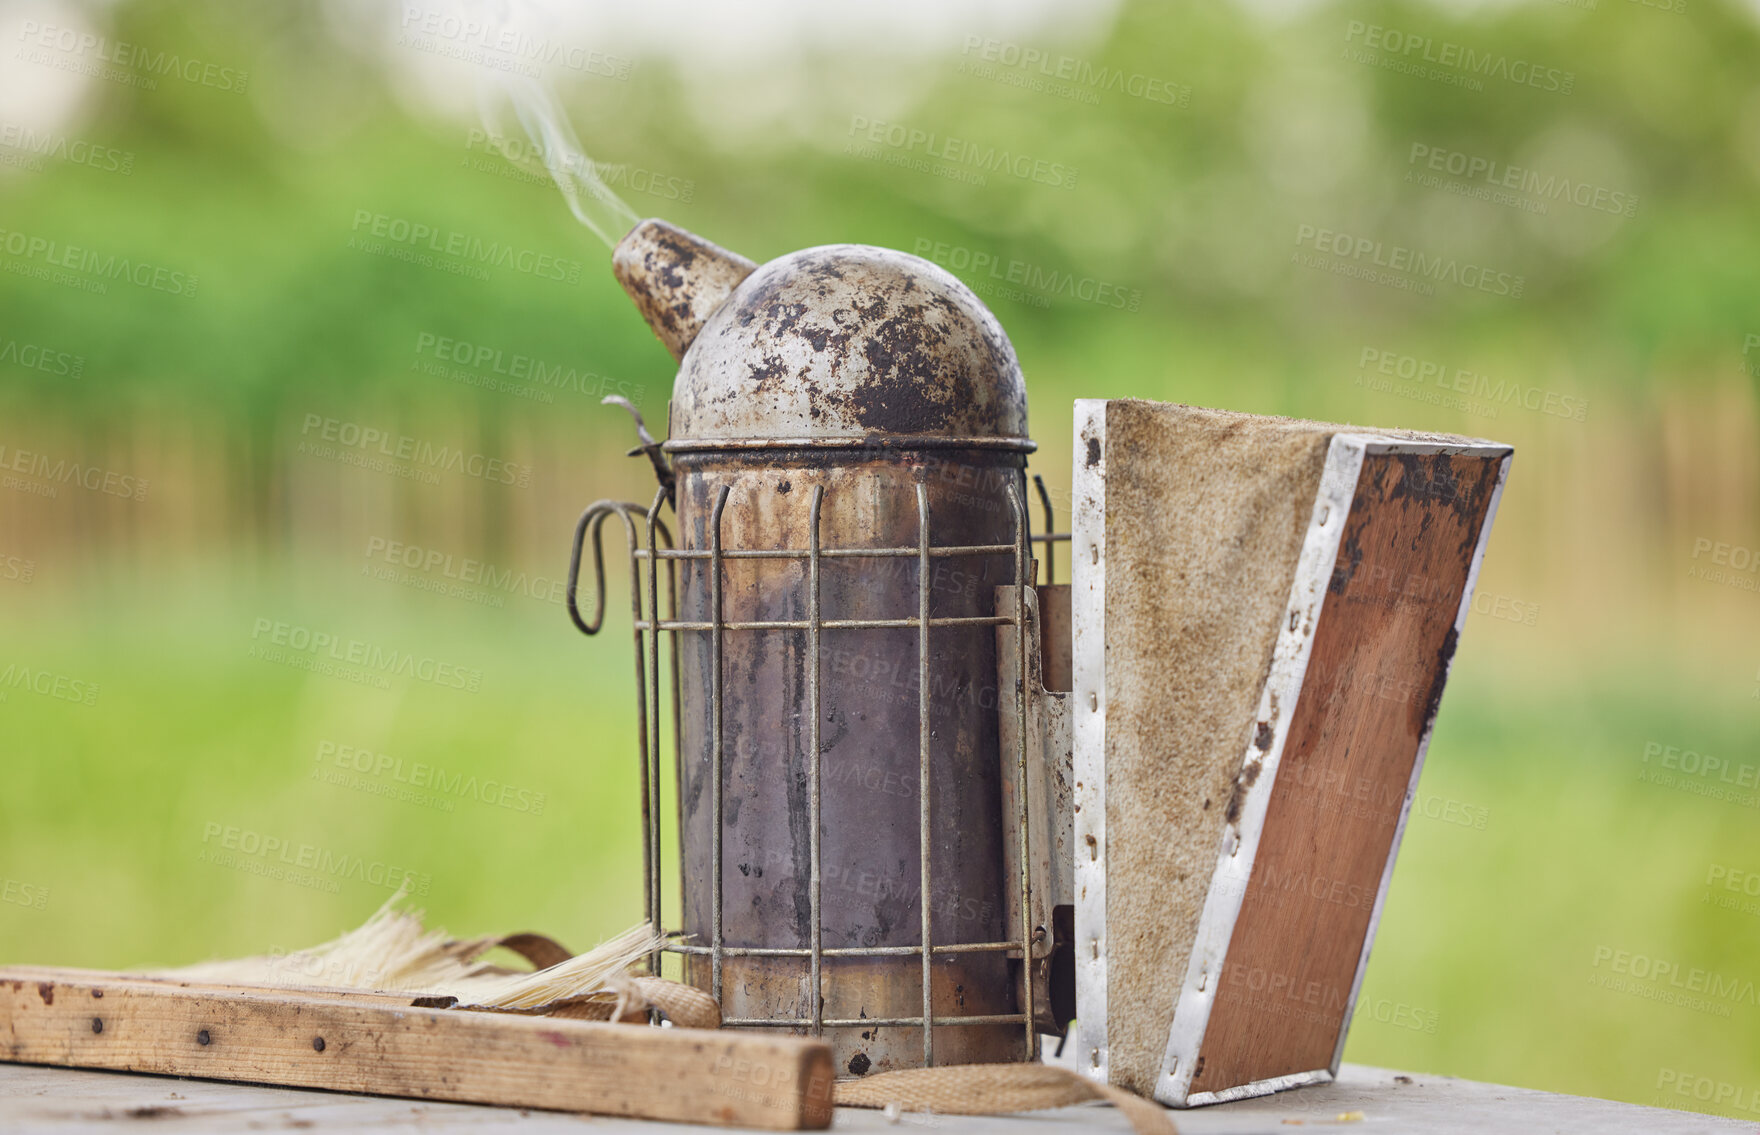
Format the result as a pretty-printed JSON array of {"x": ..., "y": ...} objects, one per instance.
[{"x": 932, "y": 808}]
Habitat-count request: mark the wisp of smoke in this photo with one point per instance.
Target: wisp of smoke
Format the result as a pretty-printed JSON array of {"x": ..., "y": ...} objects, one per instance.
[
  {"x": 554, "y": 149},
  {"x": 518, "y": 109}
]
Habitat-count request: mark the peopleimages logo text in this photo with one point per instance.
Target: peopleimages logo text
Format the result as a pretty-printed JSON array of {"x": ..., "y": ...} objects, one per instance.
[
  {"x": 49, "y": 684},
  {"x": 103, "y": 49},
  {"x": 1410, "y": 261},
  {"x": 431, "y": 778},
  {"x": 1046, "y": 281},
  {"x": 402, "y": 447},
  {"x": 1502, "y": 175},
  {"x": 1456, "y": 57},
  {"x": 1673, "y": 976},
  {"x": 272, "y": 639},
  {"x": 75, "y": 151},
  {"x": 464, "y": 246},
  {"x": 461, "y": 569},
  {"x": 962, "y": 152},
  {"x": 511, "y": 44},
  {"x": 294, "y": 857},
  {"x": 64, "y": 472},
  {"x": 523, "y": 368},
  {"x": 59, "y": 364},
  {"x": 1502, "y": 392},
  {"x": 51, "y": 253},
  {"x": 1075, "y": 70}
]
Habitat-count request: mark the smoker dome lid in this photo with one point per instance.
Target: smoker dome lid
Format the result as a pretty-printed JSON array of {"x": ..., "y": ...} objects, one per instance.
[{"x": 847, "y": 342}]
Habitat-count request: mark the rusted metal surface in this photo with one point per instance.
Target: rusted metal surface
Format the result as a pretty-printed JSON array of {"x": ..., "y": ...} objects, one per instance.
[
  {"x": 676, "y": 278},
  {"x": 848, "y": 438},
  {"x": 870, "y": 699},
  {"x": 1055, "y": 634},
  {"x": 848, "y": 341},
  {"x": 1034, "y": 703}
]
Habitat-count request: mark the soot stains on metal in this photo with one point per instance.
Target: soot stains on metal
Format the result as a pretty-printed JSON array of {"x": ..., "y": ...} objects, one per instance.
[
  {"x": 677, "y": 279},
  {"x": 847, "y": 340},
  {"x": 909, "y": 341}
]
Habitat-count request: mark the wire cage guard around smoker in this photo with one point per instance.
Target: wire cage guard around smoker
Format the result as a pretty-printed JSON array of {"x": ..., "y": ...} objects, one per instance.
[{"x": 650, "y": 545}]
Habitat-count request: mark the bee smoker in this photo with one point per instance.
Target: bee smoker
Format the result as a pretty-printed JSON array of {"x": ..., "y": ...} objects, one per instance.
[
  {"x": 853, "y": 635},
  {"x": 927, "y": 807}
]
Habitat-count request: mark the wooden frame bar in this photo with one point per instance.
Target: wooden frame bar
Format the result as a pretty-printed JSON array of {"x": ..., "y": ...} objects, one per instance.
[{"x": 382, "y": 1044}]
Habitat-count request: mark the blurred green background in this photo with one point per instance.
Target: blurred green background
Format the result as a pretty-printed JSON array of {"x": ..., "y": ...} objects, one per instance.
[{"x": 193, "y": 295}]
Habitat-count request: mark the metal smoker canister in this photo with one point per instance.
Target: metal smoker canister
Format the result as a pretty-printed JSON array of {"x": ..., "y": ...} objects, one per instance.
[{"x": 838, "y": 380}]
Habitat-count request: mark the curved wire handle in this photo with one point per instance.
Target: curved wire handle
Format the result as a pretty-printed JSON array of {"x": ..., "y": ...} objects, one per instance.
[
  {"x": 646, "y": 638},
  {"x": 595, "y": 515}
]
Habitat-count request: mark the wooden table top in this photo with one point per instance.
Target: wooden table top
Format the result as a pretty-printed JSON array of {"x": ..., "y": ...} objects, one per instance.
[{"x": 55, "y": 1101}]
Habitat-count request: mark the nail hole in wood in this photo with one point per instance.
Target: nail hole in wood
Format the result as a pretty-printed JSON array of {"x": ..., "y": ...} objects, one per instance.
[{"x": 97, "y": 1024}]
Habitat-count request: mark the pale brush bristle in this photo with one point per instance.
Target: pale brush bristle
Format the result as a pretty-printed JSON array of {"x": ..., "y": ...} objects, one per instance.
[{"x": 393, "y": 952}]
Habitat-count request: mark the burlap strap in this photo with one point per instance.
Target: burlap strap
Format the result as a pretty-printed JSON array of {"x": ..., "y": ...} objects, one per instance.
[
  {"x": 961, "y": 1089},
  {"x": 995, "y": 1089},
  {"x": 686, "y": 1005}
]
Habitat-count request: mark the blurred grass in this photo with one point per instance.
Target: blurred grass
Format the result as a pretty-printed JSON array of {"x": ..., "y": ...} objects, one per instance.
[{"x": 114, "y": 801}]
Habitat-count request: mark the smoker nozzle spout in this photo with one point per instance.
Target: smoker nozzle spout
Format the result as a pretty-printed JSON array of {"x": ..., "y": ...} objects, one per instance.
[{"x": 677, "y": 279}]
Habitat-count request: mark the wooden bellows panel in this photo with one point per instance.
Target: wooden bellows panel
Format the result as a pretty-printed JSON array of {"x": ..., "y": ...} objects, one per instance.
[{"x": 1264, "y": 616}]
